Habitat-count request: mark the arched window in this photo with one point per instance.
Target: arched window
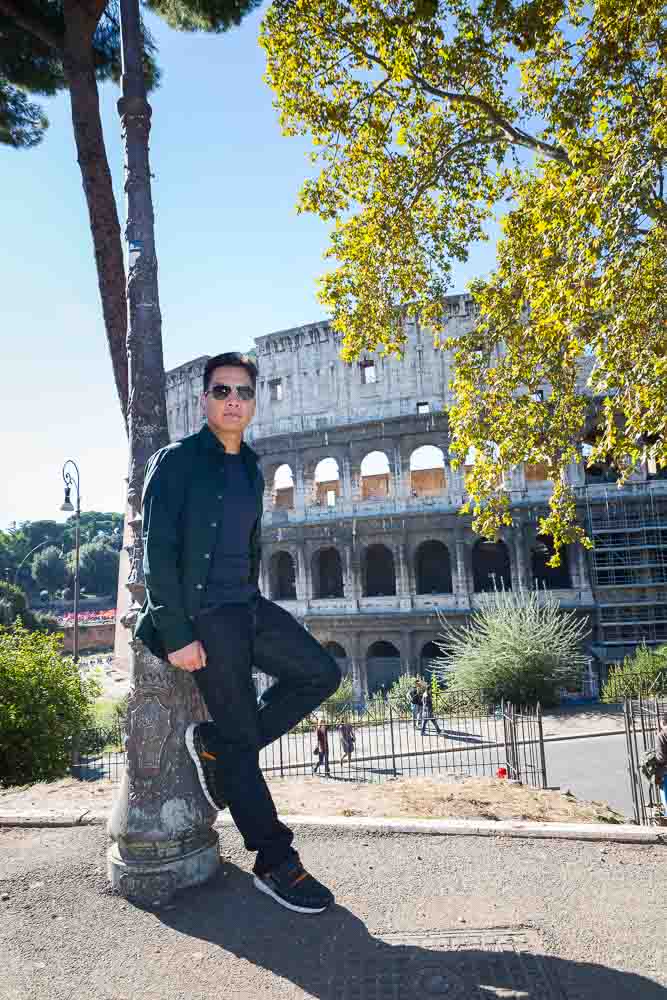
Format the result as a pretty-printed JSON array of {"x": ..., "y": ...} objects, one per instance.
[
  {"x": 375, "y": 478},
  {"x": 283, "y": 487},
  {"x": 282, "y": 577},
  {"x": 491, "y": 566},
  {"x": 379, "y": 574},
  {"x": 327, "y": 483},
  {"x": 551, "y": 577},
  {"x": 427, "y": 471},
  {"x": 383, "y": 666},
  {"x": 327, "y": 573},
  {"x": 339, "y": 654},
  {"x": 433, "y": 568}
]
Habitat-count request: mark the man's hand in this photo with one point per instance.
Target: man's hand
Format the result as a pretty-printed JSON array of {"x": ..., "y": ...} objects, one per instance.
[{"x": 191, "y": 657}]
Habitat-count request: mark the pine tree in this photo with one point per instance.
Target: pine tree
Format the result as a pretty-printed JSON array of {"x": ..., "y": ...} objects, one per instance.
[{"x": 47, "y": 46}]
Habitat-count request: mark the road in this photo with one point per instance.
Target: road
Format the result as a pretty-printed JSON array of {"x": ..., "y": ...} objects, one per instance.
[{"x": 593, "y": 769}]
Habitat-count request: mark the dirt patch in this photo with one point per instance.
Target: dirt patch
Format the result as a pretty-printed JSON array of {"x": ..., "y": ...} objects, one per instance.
[{"x": 433, "y": 798}]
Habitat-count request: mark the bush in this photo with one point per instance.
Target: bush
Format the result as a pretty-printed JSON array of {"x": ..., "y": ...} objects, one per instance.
[
  {"x": 519, "y": 646},
  {"x": 13, "y": 603},
  {"x": 400, "y": 691},
  {"x": 44, "y": 704},
  {"x": 645, "y": 674},
  {"x": 341, "y": 700}
]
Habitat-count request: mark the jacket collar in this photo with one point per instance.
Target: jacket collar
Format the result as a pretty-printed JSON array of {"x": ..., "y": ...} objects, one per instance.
[{"x": 210, "y": 443}]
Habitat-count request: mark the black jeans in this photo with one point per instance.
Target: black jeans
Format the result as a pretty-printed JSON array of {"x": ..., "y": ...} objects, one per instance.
[{"x": 237, "y": 637}]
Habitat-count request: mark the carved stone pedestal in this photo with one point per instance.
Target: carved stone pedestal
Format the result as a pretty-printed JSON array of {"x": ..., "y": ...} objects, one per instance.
[{"x": 161, "y": 824}]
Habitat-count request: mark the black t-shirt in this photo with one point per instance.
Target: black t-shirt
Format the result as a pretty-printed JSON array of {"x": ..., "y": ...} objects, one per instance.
[{"x": 228, "y": 576}]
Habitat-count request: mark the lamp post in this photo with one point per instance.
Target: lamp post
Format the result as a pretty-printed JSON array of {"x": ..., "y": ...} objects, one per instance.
[{"x": 72, "y": 479}]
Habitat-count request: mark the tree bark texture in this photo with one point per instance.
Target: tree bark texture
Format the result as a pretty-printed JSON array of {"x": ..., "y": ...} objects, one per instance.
[{"x": 97, "y": 185}]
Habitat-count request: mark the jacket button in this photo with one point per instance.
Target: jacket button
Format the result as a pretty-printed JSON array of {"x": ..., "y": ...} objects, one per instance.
[
  {"x": 220, "y": 498},
  {"x": 199, "y": 586},
  {"x": 214, "y": 524},
  {"x": 207, "y": 555}
]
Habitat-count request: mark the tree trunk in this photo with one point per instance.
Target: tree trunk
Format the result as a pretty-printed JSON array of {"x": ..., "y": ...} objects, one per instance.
[
  {"x": 161, "y": 825},
  {"x": 98, "y": 188}
]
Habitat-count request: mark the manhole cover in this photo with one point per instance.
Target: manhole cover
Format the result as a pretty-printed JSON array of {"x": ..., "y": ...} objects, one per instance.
[{"x": 447, "y": 965}]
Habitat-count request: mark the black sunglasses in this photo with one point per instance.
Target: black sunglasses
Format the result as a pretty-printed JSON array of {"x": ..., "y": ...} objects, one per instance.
[{"x": 222, "y": 391}]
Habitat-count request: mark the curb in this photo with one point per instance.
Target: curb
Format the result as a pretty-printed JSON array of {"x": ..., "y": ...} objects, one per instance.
[{"x": 611, "y": 833}]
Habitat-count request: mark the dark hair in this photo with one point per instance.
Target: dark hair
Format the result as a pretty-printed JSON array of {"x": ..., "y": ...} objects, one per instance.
[{"x": 230, "y": 360}]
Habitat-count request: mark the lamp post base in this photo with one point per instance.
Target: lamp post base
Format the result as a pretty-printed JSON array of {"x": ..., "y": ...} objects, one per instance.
[{"x": 154, "y": 883}]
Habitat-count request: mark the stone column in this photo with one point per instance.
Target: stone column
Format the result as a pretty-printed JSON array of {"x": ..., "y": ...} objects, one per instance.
[
  {"x": 463, "y": 585},
  {"x": 518, "y": 565},
  {"x": 402, "y": 582},
  {"x": 299, "y": 488},
  {"x": 358, "y": 668},
  {"x": 346, "y": 483},
  {"x": 301, "y": 591}
]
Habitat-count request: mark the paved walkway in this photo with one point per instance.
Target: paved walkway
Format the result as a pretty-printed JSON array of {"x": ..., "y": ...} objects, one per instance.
[{"x": 460, "y": 918}]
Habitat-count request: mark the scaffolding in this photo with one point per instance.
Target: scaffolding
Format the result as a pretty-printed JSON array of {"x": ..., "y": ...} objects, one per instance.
[{"x": 628, "y": 528}]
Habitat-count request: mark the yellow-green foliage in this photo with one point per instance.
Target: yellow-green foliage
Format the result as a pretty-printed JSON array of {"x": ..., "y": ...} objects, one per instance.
[
  {"x": 425, "y": 117},
  {"x": 43, "y": 703},
  {"x": 644, "y": 673}
]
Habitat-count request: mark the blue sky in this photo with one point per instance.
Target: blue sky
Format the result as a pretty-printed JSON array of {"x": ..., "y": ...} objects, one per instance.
[{"x": 235, "y": 261}]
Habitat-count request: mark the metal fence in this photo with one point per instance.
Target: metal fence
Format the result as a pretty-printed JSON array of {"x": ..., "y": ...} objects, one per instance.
[
  {"x": 642, "y": 721},
  {"x": 375, "y": 743}
]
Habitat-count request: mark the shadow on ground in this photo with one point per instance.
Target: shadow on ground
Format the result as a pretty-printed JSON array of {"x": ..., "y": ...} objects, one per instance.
[{"x": 335, "y": 957}]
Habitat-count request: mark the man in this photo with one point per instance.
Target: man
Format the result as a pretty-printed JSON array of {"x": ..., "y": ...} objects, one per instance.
[
  {"x": 416, "y": 704},
  {"x": 427, "y": 712},
  {"x": 322, "y": 748},
  {"x": 661, "y": 761},
  {"x": 202, "y": 509}
]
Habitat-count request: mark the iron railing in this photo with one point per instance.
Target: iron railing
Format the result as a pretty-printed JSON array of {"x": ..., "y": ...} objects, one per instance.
[
  {"x": 466, "y": 740},
  {"x": 642, "y": 721}
]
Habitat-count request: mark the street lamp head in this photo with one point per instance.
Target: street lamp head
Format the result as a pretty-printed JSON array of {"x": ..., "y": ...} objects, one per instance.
[{"x": 67, "y": 505}]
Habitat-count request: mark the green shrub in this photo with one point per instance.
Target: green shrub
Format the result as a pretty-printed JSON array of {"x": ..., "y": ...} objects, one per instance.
[
  {"x": 13, "y": 603},
  {"x": 645, "y": 674},
  {"x": 399, "y": 694},
  {"x": 44, "y": 703},
  {"x": 342, "y": 699},
  {"x": 518, "y": 646}
]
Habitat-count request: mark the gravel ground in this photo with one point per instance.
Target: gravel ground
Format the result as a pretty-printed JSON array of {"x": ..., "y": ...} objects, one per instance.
[{"x": 416, "y": 917}]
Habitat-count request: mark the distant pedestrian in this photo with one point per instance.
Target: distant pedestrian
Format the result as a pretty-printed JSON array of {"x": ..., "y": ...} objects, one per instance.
[
  {"x": 661, "y": 760},
  {"x": 416, "y": 704},
  {"x": 427, "y": 712},
  {"x": 347, "y": 741},
  {"x": 322, "y": 748}
]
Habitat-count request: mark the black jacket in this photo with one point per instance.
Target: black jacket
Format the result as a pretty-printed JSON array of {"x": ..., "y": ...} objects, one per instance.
[{"x": 183, "y": 500}]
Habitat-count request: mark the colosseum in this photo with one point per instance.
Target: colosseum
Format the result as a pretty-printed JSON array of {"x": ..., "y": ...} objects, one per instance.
[{"x": 362, "y": 539}]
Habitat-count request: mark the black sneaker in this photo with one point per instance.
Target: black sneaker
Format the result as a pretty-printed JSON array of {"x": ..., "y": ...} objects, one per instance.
[
  {"x": 291, "y": 886},
  {"x": 205, "y": 762}
]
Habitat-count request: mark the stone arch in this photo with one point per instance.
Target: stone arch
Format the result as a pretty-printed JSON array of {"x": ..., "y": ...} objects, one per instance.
[
  {"x": 433, "y": 568},
  {"x": 427, "y": 471},
  {"x": 375, "y": 476},
  {"x": 283, "y": 487},
  {"x": 327, "y": 570},
  {"x": 551, "y": 577},
  {"x": 430, "y": 652},
  {"x": 282, "y": 576},
  {"x": 339, "y": 654},
  {"x": 491, "y": 565},
  {"x": 383, "y": 665},
  {"x": 379, "y": 573},
  {"x": 326, "y": 482}
]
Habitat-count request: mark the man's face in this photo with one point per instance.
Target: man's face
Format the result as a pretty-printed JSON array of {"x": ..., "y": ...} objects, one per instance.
[{"x": 232, "y": 413}]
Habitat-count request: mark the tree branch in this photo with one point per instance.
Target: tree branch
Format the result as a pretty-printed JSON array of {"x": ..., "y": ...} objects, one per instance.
[
  {"x": 514, "y": 134},
  {"x": 33, "y": 25}
]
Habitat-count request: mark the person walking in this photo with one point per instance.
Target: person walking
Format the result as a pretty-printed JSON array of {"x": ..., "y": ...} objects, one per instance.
[
  {"x": 347, "y": 741},
  {"x": 322, "y": 748},
  {"x": 427, "y": 712},
  {"x": 202, "y": 511},
  {"x": 661, "y": 761},
  {"x": 416, "y": 704}
]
